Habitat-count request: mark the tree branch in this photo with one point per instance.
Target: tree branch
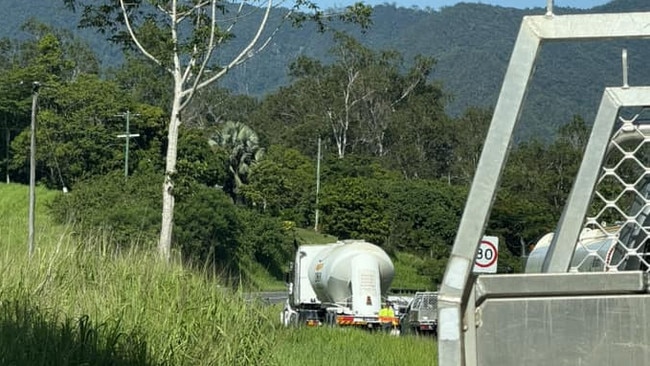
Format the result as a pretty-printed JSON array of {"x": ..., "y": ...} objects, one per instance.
[
  {"x": 207, "y": 56},
  {"x": 135, "y": 39},
  {"x": 182, "y": 16},
  {"x": 242, "y": 54}
]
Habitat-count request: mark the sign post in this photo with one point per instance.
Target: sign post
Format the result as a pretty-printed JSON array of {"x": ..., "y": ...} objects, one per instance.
[{"x": 487, "y": 255}]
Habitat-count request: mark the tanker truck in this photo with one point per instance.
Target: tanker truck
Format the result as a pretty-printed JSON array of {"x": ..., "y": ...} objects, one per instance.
[
  {"x": 337, "y": 284},
  {"x": 596, "y": 251}
]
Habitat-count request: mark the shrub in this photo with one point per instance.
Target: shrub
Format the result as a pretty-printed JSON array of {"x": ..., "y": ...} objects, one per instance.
[
  {"x": 206, "y": 228},
  {"x": 128, "y": 209},
  {"x": 265, "y": 240}
]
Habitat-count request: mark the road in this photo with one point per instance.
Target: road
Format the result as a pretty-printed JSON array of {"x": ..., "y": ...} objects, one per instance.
[{"x": 268, "y": 297}]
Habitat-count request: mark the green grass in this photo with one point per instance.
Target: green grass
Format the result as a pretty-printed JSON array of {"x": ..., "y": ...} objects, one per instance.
[
  {"x": 14, "y": 209},
  {"x": 259, "y": 279},
  {"x": 307, "y": 236},
  {"x": 406, "y": 276},
  {"x": 77, "y": 302},
  {"x": 182, "y": 318},
  {"x": 344, "y": 346}
]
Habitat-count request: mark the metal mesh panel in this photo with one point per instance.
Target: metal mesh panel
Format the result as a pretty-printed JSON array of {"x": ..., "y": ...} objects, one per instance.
[
  {"x": 427, "y": 305},
  {"x": 617, "y": 226}
]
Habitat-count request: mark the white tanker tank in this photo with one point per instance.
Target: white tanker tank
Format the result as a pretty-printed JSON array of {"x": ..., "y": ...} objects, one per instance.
[
  {"x": 596, "y": 251},
  {"x": 341, "y": 283}
]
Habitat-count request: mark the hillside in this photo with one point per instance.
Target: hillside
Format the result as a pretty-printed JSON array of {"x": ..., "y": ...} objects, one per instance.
[{"x": 471, "y": 43}]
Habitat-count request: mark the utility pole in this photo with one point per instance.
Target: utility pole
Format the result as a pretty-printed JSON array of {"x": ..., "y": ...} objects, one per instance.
[
  {"x": 32, "y": 169},
  {"x": 127, "y": 136},
  {"x": 317, "y": 184}
]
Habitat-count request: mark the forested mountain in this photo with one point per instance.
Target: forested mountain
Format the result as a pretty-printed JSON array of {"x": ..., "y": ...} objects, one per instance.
[{"x": 471, "y": 43}]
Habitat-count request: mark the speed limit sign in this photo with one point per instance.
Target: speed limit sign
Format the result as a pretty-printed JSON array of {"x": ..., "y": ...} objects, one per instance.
[{"x": 487, "y": 255}]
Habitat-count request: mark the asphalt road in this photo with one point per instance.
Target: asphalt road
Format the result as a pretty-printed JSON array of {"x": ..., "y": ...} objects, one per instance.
[{"x": 268, "y": 297}]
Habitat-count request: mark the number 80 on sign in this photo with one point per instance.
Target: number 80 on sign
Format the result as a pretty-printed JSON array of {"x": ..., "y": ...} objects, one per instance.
[{"x": 487, "y": 255}]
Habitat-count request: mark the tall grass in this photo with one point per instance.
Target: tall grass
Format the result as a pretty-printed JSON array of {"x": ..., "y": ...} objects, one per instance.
[
  {"x": 14, "y": 199},
  {"x": 183, "y": 318},
  {"x": 327, "y": 346},
  {"x": 80, "y": 302},
  {"x": 77, "y": 302},
  {"x": 31, "y": 336}
]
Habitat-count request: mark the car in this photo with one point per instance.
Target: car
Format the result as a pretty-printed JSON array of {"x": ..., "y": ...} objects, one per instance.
[{"x": 421, "y": 316}]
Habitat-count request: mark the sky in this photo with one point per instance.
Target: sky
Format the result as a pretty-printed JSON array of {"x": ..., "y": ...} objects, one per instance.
[{"x": 436, "y": 4}]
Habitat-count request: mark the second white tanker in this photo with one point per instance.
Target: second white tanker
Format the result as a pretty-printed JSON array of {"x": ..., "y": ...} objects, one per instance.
[{"x": 341, "y": 283}]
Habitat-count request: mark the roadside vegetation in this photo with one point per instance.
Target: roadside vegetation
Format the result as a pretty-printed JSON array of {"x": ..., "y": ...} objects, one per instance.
[
  {"x": 78, "y": 300},
  {"x": 340, "y": 346},
  {"x": 394, "y": 167}
]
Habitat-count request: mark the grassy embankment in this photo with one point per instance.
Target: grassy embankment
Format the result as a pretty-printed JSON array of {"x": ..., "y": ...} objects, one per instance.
[{"x": 75, "y": 302}]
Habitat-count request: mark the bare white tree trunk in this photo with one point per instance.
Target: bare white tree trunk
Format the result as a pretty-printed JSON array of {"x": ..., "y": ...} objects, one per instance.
[
  {"x": 165, "y": 242},
  {"x": 341, "y": 122}
]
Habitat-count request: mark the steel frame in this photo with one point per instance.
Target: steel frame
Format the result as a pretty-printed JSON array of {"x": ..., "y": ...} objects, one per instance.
[{"x": 457, "y": 283}]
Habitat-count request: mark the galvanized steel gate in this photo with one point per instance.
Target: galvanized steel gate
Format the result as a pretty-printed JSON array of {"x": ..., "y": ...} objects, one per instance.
[{"x": 560, "y": 317}]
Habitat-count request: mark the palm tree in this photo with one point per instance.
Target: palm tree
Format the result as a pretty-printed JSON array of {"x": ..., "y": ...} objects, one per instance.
[{"x": 243, "y": 144}]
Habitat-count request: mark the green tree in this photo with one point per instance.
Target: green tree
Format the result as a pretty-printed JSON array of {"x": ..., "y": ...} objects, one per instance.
[
  {"x": 536, "y": 183},
  {"x": 48, "y": 56},
  {"x": 242, "y": 144},
  {"x": 521, "y": 218},
  {"x": 264, "y": 240},
  {"x": 356, "y": 96},
  {"x": 207, "y": 228},
  {"x": 565, "y": 155},
  {"x": 424, "y": 216},
  {"x": 182, "y": 38},
  {"x": 421, "y": 140},
  {"x": 291, "y": 117},
  {"x": 79, "y": 124},
  {"x": 73, "y": 111},
  {"x": 214, "y": 106},
  {"x": 145, "y": 82},
  {"x": 470, "y": 131},
  {"x": 58, "y": 51},
  {"x": 283, "y": 184},
  {"x": 198, "y": 162},
  {"x": 355, "y": 208}
]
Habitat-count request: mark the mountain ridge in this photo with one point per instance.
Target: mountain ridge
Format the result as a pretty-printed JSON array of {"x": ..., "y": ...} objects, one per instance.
[{"x": 472, "y": 44}]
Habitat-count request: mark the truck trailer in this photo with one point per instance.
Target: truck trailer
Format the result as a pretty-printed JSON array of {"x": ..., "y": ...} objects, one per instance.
[
  {"x": 596, "y": 251},
  {"x": 337, "y": 284}
]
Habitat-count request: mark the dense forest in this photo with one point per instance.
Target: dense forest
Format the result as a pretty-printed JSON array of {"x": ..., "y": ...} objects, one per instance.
[
  {"x": 470, "y": 43},
  {"x": 395, "y": 169}
]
